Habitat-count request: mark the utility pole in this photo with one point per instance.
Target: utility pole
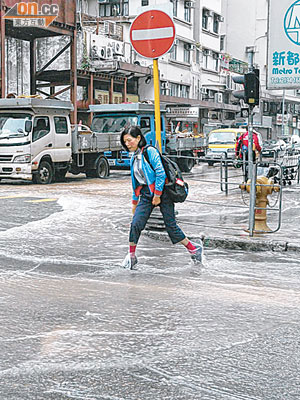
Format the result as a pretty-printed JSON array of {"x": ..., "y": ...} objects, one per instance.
[
  {"x": 251, "y": 171},
  {"x": 250, "y": 95},
  {"x": 283, "y": 111}
]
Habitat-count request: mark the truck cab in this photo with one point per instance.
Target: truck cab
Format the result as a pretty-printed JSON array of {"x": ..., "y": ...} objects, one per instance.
[
  {"x": 112, "y": 118},
  {"x": 35, "y": 138}
]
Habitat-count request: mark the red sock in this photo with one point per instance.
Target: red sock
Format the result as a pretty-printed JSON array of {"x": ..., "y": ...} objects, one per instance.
[
  {"x": 132, "y": 250},
  {"x": 191, "y": 248}
]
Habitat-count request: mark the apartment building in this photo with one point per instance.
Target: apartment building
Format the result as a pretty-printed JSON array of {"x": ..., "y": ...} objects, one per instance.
[{"x": 190, "y": 73}]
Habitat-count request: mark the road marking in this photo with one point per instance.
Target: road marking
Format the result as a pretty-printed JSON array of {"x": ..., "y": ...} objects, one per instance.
[
  {"x": 13, "y": 196},
  {"x": 40, "y": 200}
]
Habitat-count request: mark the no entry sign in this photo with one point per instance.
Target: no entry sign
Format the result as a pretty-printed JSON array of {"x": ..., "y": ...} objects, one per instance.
[{"x": 152, "y": 33}]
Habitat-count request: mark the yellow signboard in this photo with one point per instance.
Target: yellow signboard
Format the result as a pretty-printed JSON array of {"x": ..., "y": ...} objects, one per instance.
[{"x": 103, "y": 97}]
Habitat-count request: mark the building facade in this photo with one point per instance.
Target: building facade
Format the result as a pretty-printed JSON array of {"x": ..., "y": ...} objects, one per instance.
[{"x": 213, "y": 43}]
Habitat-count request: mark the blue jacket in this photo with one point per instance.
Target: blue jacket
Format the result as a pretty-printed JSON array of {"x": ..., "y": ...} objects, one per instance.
[{"x": 155, "y": 176}]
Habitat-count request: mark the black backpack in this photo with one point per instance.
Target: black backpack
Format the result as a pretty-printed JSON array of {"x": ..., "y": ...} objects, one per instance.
[{"x": 176, "y": 189}]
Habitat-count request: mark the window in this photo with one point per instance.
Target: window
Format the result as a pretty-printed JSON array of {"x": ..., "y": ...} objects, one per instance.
[
  {"x": 173, "y": 52},
  {"x": 222, "y": 42},
  {"x": 175, "y": 6},
  {"x": 184, "y": 91},
  {"x": 197, "y": 56},
  {"x": 205, "y": 59},
  {"x": 41, "y": 127},
  {"x": 114, "y": 8},
  {"x": 205, "y": 18},
  {"x": 178, "y": 90},
  {"x": 187, "y": 13},
  {"x": 216, "y": 61},
  {"x": 13, "y": 124},
  {"x": 174, "y": 89},
  {"x": 186, "y": 53},
  {"x": 216, "y": 23},
  {"x": 145, "y": 3},
  {"x": 106, "y": 123},
  {"x": 61, "y": 125},
  {"x": 145, "y": 125}
]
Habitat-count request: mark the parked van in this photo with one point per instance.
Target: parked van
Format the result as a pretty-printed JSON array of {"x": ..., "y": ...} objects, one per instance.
[{"x": 221, "y": 144}]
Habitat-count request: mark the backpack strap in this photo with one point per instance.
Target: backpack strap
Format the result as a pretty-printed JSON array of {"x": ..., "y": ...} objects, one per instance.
[{"x": 145, "y": 154}]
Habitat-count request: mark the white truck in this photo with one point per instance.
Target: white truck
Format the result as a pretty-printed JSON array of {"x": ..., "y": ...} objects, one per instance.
[{"x": 37, "y": 142}]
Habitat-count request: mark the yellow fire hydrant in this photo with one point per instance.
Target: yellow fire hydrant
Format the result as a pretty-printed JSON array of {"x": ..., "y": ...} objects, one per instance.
[{"x": 261, "y": 201}]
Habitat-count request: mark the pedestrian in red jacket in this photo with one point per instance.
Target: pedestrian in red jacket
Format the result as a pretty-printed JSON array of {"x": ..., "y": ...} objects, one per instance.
[{"x": 242, "y": 145}]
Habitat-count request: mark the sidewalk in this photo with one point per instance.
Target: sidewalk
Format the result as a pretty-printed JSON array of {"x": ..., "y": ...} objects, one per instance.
[{"x": 219, "y": 226}]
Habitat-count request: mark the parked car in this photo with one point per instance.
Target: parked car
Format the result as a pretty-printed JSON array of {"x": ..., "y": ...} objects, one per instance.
[{"x": 273, "y": 148}]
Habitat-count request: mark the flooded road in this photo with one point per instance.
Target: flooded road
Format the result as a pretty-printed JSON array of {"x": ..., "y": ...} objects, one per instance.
[{"x": 74, "y": 325}]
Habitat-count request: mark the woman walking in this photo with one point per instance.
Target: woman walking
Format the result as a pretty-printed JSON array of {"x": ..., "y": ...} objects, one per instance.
[{"x": 148, "y": 182}]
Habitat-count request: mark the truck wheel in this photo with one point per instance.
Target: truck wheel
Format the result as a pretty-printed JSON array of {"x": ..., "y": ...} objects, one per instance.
[
  {"x": 44, "y": 174},
  {"x": 102, "y": 168},
  {"x": 186, "y": 164}
]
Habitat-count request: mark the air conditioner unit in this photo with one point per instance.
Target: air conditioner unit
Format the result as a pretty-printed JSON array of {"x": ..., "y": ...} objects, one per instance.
[
  {"x": 165, "y": 85},
  {"x": 119, "y": 49},
  {"x": 109, "y": 53},
  {"x": 218, "y": 97},
  {"x": 189, "y": 4},
  {"x": 102, "y": 52},
  {"x": 203, "y": 90}
]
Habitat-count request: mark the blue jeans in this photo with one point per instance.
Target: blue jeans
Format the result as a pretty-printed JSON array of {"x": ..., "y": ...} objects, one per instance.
[{"x": 143, "y": 212}]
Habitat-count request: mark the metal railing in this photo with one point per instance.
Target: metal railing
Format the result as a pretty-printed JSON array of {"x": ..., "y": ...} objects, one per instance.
[{"x": 284, "y": 171}]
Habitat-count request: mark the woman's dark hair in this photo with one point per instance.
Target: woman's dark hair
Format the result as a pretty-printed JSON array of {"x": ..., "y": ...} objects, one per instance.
[{"x": 133, "y": 131}]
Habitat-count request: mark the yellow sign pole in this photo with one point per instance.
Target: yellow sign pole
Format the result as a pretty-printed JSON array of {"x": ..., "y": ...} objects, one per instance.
[{"x": 157, "y": 104}]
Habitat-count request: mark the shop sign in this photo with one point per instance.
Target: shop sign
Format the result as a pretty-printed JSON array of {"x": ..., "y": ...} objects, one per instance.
[
  {"x": 183, "y": 112},
  {"x": 103, "y": 97},
  {"x": 283, "y": 66}
]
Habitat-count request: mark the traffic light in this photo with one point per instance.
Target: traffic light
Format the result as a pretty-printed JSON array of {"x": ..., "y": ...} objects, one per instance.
[{"x": 250, "y": 94}]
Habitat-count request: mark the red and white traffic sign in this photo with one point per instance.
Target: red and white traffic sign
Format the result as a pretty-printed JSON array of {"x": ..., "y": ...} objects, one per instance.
[{"x": 152, "y": 33}]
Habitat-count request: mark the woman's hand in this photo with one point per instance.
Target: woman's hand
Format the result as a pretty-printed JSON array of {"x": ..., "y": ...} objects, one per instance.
[
  {"x": 156, "y": 200},
  {"x": 133, "y": 208}
]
